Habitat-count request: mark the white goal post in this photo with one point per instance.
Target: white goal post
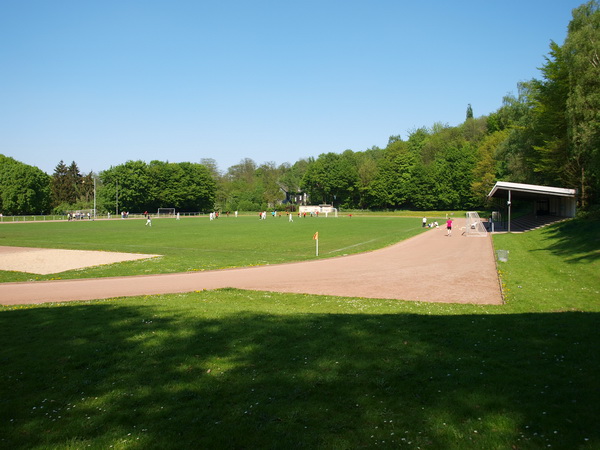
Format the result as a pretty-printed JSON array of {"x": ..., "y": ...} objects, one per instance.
[
  {"x": 165, "y": 212},
  {"x": 474, "y": 226}
]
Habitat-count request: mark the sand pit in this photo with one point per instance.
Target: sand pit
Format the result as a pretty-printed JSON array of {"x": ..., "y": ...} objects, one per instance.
[{"x": 44, "y": 261}]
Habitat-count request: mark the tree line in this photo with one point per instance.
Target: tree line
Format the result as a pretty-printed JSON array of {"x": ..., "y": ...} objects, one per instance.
[{"x": 548, "y": 133}]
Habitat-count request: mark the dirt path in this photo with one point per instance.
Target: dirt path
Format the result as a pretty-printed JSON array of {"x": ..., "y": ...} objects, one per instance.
[{"x": 430, "y": 267}]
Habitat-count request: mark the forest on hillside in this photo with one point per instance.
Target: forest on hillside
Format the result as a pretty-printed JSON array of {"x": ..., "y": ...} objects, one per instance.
[{"x": 547, "y": 133}]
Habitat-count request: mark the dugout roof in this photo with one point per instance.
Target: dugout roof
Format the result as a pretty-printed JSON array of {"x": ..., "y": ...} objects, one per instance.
[
  {"x": 529, "y": 191},
  {"x": 552, "y": 200}
]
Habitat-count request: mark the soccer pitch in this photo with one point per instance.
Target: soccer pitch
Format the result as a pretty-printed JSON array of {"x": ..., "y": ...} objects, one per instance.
[{"x": 195, "y": 244}]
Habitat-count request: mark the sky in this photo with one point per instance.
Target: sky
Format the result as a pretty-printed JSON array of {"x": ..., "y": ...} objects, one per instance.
[{"x": 102, "y": 82}]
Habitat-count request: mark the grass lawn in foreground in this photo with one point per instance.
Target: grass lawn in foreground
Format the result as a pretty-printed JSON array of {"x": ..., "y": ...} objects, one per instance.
[
  {"x": 242, "y": 369},
  {"x": 192, "y": 244}
]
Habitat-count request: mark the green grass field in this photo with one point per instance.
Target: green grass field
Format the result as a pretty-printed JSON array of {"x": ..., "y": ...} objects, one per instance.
[
  {"x": 194, "y": 244},
  {"x": 243, "y": 369}
]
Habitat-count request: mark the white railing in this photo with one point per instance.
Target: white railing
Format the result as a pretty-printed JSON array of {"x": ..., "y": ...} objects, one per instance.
[
  {"x": 33, "y": 218},
  {"x": 61, "y": 217}
]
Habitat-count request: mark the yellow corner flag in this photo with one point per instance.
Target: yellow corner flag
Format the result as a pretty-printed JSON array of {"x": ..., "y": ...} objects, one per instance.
[{"x": 316, "y": 236}]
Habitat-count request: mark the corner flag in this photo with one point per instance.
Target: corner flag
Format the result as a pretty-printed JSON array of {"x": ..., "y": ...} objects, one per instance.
[{"x": 316, "y": 236}]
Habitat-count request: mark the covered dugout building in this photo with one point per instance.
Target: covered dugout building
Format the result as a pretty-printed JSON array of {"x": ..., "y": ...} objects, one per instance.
[{"x": 543, "y": 202}]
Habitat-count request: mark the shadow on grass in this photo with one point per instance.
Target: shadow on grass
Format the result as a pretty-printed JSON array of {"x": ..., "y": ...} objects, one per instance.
[
  {"x": 575, "y": 240},
  {"x": 104, "y": 374}
]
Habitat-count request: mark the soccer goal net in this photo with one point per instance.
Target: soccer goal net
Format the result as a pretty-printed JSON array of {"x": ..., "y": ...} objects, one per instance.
[
  {"x": 80, "y": 214},
  {"x": 165, "y": 212},
  {"x": 475, "y": 226}
]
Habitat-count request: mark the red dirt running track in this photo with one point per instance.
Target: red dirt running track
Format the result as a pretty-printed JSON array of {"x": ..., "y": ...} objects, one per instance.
[{"x": 430, "y": 267}]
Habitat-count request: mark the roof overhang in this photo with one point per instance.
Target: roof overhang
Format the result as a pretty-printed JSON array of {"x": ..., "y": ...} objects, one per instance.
[{"x": 530, "y": 191}]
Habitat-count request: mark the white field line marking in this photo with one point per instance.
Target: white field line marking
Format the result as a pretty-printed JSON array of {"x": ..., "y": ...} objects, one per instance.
[{"x": 350, "y": 246}]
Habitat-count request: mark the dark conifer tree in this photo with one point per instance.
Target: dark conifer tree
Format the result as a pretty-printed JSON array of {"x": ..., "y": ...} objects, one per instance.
[
  {"x": 469, "y": 112},
  {"x": 62, "y": 188}
]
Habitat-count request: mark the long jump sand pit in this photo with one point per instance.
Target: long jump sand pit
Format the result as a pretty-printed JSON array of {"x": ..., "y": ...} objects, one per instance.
[{"x": 45, "y": 261}]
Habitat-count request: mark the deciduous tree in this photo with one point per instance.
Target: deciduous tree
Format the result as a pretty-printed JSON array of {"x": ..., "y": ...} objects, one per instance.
[
  {"x": 582, "y": 55},
  {"x": 24, "y": 189}
]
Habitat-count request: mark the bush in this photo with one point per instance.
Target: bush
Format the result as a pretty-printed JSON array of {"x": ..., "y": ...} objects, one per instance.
[
  {"x": 245, "y": 205},
  {"x": 592, "y": 213}
]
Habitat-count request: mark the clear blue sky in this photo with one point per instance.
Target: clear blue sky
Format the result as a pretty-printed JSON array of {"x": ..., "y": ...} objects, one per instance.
[{"x": 102, "y": 82}]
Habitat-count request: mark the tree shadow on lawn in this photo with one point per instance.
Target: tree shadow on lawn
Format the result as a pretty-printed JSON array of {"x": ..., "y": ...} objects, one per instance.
[
  {"x": 104, "y": 374},
  {"x": 575, "y": 240}
]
